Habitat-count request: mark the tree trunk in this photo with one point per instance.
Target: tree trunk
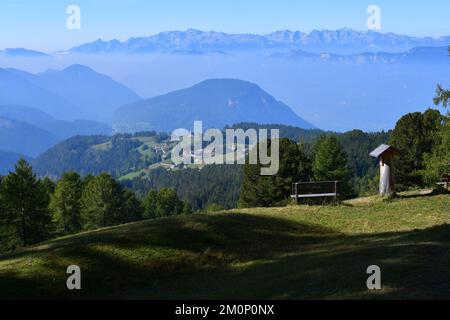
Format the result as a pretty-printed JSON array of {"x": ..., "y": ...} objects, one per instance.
[{"x": 24, "y": 233}]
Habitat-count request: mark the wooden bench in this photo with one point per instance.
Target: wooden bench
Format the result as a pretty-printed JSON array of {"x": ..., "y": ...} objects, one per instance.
[
  {"x": 445, "y": 180},
  {"x": 314, "y": 190}
]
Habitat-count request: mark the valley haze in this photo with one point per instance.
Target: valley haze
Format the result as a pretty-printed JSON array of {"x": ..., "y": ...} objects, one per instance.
[{"x": 337, "y": 80}]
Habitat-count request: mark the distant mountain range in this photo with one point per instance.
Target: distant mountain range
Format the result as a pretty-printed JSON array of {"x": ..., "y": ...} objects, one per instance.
[
  {"x": 76, "y": 92},
  {"x": 420, "y": 54},
  {"x": 343, "y": 41},
  {"x": 21, "y": 52},
  {"x": 198, "y": 42},
  {"x": 216, "y": 102}
]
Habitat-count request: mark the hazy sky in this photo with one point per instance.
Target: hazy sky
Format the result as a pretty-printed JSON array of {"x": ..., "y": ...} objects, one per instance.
[{"x": 41, "y": 25}]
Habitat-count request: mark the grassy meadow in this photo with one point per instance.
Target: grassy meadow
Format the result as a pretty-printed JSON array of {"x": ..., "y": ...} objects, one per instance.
[{"x": 295, "y": 252}]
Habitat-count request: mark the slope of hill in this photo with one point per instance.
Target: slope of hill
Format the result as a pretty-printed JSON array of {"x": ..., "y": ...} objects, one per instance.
[
  {"x": 74, "y": 153},
  {"x": 118, "y": 155},
  {"x": 305, "y": 252},
  {"x": 15, "y": 90},
  {"x": 24, "y": 138},
  {"x": 344, "y": 41},
  {"x": 31, "y": 115},
  {"x": 216, "y": 102},
  {"x": 60, "y": 128},
  {"x": 94, "y": 96},
  {"x": 129, "y": 156}
]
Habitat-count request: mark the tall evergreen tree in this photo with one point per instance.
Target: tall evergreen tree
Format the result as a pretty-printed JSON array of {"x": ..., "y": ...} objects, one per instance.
[
  {"x": 442, "y": 96},
  {"x": 150, "y": 203},
  {"x": 102, "y": 202},
  {"x": 330, "y": 163},
  {"x": 168, "y": 203},
  {"x": 8, "y": 238},
  {"x": 415, "y": 135},
  {"x": 25, "y": 202},
  {"x": 132, "y": 207},
  {"x": 66, "y": 203},
  {"x": 163, "y": 203},
  {"x": 187, "y": 209},
  {"x": 266, "y": 191},
  {"x": 438, "y": 162}
]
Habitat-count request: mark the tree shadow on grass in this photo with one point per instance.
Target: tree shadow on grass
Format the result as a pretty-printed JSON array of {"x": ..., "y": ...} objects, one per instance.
[
  {"x": 235, "y": 256},
  {"x": 432, "y": 193}
]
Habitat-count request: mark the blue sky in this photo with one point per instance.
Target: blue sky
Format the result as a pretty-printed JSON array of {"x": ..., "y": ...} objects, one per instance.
[{"x": 41, "y": 25}]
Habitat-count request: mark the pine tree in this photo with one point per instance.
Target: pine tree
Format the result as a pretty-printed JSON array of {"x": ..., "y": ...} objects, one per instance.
[
  {"x": 438, "y": 162},
  {"x": 330, "y": 163},
  {"x": 48, "y": 185},
  {"x": 66, "y": 203},
  {"x": 168, "y": 203},
  {"x": 266, "y": 191},
  {"x": 150, "y": 203},
  {"x": 102, "y": 202},
  {"x": 187, "y": 208},
  {"x": 132, "y": 207},
  {"x": 25, "y": 202},
  {"x": 415, "y": 135}
]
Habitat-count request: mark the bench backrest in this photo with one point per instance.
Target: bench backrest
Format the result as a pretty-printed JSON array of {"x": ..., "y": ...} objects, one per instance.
[{"x": 320, "y": 187}]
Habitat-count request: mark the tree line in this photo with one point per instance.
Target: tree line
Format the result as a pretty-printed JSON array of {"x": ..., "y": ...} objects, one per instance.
[
  {"x": 33, "y": 210},
  {"x": 327, "y": 162},
  {"x": 211, "y": 186},
  {"x": 422, "y": 140}
]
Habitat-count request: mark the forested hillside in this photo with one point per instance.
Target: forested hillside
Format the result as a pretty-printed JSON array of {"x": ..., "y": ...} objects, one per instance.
[
  {"x": 213, "y": 185},
  {"x": 117, "y": 155},
  {"x": 142, "y": 162}
]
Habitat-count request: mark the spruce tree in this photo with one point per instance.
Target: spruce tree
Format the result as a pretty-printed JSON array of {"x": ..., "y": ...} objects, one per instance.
[
  {"x": 438, "y": 162},
  {"x": 150, "y": 203},
  {"x": 415, "y": 136},
  {"x": 266, "y": 191},
  {"x": 330, "y": 163},
  {"x": 25, "y": 202},
  {"x": 66, "y": 203},
  {"x": 187, "y": 208},
  {"x": 132, "y": 207},
  {"x": 102, "y": 202},
  {"x": 168, "y": 203}
]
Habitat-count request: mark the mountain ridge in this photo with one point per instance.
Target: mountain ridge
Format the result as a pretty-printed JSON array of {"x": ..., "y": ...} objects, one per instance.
[
  {"x": 75, "y": 92},
  {"x": 216, "y": 102},
  {"x": 343, "y": 40},
  {"x": 22, "y": 52},
  {"x": 23, "y": 138},
  {"x": 413, "y": 54}
]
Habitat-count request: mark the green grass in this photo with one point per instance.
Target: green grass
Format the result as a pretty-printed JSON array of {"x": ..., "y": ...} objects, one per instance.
[{"x": 304, "y": 252}]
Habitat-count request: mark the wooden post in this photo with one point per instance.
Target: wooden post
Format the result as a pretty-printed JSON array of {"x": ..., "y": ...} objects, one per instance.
[
  {"x": 387, "y": 182},
  {"x": 385, "y": 154},
  {"x": 296, "y": 193},
  {"x": 335, "y": 190}
]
